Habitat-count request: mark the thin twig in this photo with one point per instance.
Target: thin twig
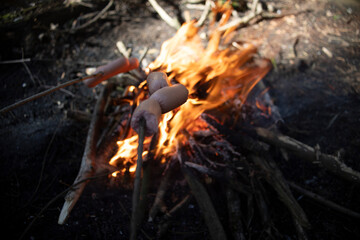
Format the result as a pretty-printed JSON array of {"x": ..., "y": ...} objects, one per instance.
[
  {"x": 44, "y": 163},
  {"x": 204, "y": 14},
  {"x": 168, "y": 216},
  {"x": 137, "y": 180},
  {"x": 29, "y": 72},
  {"x": 143, "y": 55},
  {"x": 254, "y": 6},
  {"x": 203, "y": 169},
  {"x": 324, "y": 201},
  {"x": 239, "y": 21},
  {"x": 164, "y": 184},
  {"x": 122, "y": 49},
  {"x": 44, "y": 93},
  {"x": 172, "y": 22},
  {"x": 16, "y": 61},
  {"x": 101, "y": 13}
]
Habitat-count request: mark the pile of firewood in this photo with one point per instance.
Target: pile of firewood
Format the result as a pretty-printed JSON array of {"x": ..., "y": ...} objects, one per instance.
[{"x": 237, "y": 155}]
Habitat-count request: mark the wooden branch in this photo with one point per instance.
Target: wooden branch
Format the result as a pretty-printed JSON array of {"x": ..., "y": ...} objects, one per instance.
[
  {"x": 16, "y": 61},
  {"x": 203, "y": 199},
  {"x": 172, "y": 22},
  {"x": 164, "y": 184},
  {"x": 239, "y": 21},
  {"x": 204, "y": 14},
  {"x": 234, "y": 212},
  {"x": 78, "y": 115},
  {"x": 98, "y": 16},
  {"x": 137, "y": 181},
  {"x": 55, "y": 199},
  {"x": 205, "y": 170},
  {"x": 88, "y": 164},
  {"x": 324, "y": 201},
  {"x": 275, "y": 178},
  {"x": 329, "y": 162},
  {"x": 165, "y": 222}
]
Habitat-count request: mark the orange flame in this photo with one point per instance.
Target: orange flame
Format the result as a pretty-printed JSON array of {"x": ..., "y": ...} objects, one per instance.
[{"x": 212, "y": 75}]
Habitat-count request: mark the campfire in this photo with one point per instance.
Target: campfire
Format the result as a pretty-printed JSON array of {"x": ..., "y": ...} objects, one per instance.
[{"x": 223, "y": 131}]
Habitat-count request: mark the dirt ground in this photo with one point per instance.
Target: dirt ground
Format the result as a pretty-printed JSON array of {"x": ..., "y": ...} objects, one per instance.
[{"x": 315, "y": 83}]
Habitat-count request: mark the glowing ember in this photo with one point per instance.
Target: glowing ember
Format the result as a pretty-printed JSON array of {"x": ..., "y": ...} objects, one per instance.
[{"x": 212, "y": 75}]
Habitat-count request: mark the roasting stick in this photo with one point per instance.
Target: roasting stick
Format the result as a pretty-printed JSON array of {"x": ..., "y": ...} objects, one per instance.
[
  {"x": 44, "y": 93},
  {"x": 137, "y": 180},
  {"x": 102, "y": 73},
  {"x": 145, "y": 121}
]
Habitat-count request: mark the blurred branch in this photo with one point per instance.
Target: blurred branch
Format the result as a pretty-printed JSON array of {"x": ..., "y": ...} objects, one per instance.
[{"x": 172, "y": 22}]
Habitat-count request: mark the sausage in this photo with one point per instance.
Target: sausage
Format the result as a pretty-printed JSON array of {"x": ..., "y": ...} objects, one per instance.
[
  {"x": 111, "y": 69},
  {"x": 134, "y": 63},
  {"x": 156, "y": 80},
  {"x": 170, "y": 98},
  {"x": 150, "y": 110}
]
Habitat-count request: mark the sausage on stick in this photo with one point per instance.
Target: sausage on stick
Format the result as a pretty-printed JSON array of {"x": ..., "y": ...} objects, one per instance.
[
  {"x": 156, "y": 80},
  {"x": 170, "y": 98},
  {"x": 149, "y": 110},
  {"x": 162, "y": 101},
  {"x": 111, "y": 69}
]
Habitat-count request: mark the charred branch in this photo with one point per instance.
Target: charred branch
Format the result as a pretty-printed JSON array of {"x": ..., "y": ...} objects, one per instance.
[{"x": 310, "y": 154}]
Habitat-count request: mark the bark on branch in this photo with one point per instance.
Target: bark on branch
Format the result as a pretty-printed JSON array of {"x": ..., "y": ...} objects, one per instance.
[
  {"x": 329, "y": 162},
  {"x": 88, "y": 164}
]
